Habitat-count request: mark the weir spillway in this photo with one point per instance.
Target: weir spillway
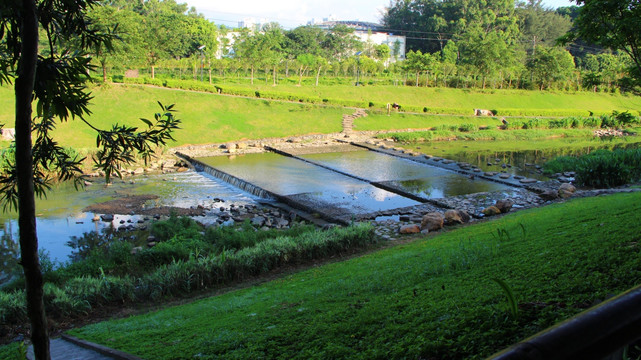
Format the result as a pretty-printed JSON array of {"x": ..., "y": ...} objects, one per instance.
[{"x": 342, "y": 185}]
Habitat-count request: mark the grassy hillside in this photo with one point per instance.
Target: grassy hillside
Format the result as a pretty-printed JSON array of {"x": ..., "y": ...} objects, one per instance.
[
  {"x": 467, "y": 99},
  {"x": 432, "y": 298},
  {"x": 207, "y": 118}
]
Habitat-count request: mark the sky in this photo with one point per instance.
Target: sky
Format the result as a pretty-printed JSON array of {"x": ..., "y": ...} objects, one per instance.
[{"x": 293, "y": 13}]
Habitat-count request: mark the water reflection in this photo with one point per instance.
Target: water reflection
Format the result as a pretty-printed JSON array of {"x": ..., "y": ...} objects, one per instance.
[
  {"x": 314, "y": 185},
  {"x": 491, "y": 155},
  {"x": 423, "y": 180}
]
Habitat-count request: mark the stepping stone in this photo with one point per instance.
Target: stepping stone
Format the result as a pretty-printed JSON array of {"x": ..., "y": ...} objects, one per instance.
[
  {"x": 505, "y": 176},
  {"x": 528, "y": 181}
]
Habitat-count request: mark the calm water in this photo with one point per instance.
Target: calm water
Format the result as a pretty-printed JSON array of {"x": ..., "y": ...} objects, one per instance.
[
  {"x": 423, "y": 180},
  {"x": 523, "y": 162}
]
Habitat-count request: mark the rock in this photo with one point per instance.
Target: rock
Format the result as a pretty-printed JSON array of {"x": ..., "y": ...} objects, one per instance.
[
  {"x": 95, "y": 218},
  {"x": 258, "y": 221},
  {"x": 549, "y": 195},
  {"x": 528, "y": 181},
  {"x": 491, "y": 211},
  {"x": 139, "y": 171},
  {"x": 432, "y": 221},
  {"x": 404, "y": 218},
  {"x": 410, "y": 229},
  {"x": 151, "y": 238},
  {"x": 504, "y": 205},
  {"x": 107, "y": 217},
  {"x": 566, "y": 190},
  {"x": 456, "y": 217},
  {"x": 505, "y": 176},
  {"x": 151, "y": 244}
]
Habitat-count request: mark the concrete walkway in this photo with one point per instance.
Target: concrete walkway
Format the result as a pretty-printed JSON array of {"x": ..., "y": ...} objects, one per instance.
[{"x": 71, "y": 348}]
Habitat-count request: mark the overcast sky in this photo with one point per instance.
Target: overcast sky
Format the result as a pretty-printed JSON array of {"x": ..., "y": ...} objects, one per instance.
[{"x": 292, "y": 13}]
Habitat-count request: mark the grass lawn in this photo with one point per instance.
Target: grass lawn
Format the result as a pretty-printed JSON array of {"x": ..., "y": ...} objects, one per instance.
[
  {"x": 557, "y": 146},
  {"x": 431, "y": 298},
  {"x": 207, "y": 118},
  {"x": 377, "y": 121},
  {"x": 468, "y": 99}
]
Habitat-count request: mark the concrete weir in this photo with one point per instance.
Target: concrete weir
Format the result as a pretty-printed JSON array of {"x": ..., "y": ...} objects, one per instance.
[
  {"x": 373, "y": 183},
  {"x": 452, "y": 166},
  {"x": 258, "y": 191}
]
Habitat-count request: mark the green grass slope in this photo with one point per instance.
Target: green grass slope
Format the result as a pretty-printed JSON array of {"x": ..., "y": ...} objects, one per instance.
[
  {"x": 433, "y": 298},
  {"x": 207, "y": 118},
  {"x": 563, "y": 103}
]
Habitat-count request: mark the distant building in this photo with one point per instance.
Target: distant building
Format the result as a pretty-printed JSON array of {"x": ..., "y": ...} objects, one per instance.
[
  {"x": 252, "y": 24},
  {"x": 373, "y": 33}
]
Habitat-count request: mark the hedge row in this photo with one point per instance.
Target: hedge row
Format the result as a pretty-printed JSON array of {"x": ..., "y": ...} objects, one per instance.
[{"x": 81, "y": 294}]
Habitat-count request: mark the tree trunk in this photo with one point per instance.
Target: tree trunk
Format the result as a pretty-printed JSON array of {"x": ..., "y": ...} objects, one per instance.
[
  {"x": 275, "y": 76},
  {"x": 417, "y": 74},
  {"x": 153, "y": 71},
  {"x": 24, "y": 173},
  {"x": 252, "y": 76},
  {"x": 209, "y": 75},
  {"x": 104, "y": 71},
  {"x": 300, "y": 76},
  {"x": 318, "y": 74}
]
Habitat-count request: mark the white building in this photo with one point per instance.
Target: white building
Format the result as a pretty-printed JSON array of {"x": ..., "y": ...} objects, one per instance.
[{"x": 372, "y": 33}]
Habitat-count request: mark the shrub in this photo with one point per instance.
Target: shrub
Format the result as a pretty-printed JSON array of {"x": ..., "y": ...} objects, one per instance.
[
  {"x": 601, "y": 168},
  {"x": 468, "y": 127},
  {"x": 13, "y": 306}
]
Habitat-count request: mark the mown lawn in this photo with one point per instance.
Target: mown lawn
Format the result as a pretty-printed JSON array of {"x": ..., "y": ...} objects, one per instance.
[
  {"x": 468, "y": 99},
  {"x": 207, "y": 118},
  {"x": 431, "y": 298}
]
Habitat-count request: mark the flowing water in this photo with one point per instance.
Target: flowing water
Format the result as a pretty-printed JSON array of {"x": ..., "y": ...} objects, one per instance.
[{"x": 318, "y": 187}]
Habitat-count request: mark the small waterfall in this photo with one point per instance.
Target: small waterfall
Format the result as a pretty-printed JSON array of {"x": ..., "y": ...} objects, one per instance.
[{"x": 230, "y": 179}]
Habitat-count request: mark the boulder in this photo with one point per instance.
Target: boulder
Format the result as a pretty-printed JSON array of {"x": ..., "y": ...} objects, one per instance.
[
  {"x": 410, "y": 229},
  {"x": 483, "y": 112},
  {"x": 549, "y": 195},
  {"x": 566, "y": 190},
  {"x": 504, "y": 206},
  {"x": 491, "y": 211},
  {"x": 432, "y": 221},
  {"x": 456, "y": 217},
  {"x": 107, "y": 217}
]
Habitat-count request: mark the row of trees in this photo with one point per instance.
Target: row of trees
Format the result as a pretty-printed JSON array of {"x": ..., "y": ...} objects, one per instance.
[{"x": 453, "y": 43}]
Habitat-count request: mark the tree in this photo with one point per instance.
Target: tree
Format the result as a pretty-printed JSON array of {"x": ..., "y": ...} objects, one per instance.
[
  {"x": 124, "y": 23},
  {"x": 56, "y": 82},
  {"x": 615, "y": 24},
  {"x": 549, "y": 65},
  {"x": 540, "y": 25}
]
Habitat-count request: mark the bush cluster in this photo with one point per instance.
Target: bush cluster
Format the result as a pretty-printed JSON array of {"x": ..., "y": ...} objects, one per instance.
[
  {"x": 601, "y": 168},
  {"x": 216, "y": 257}
]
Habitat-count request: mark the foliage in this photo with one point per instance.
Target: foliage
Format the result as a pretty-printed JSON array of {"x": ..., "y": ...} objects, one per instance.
[
  {"x": 615, "y": 24},
  {"x": 601, "y": 168}
]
